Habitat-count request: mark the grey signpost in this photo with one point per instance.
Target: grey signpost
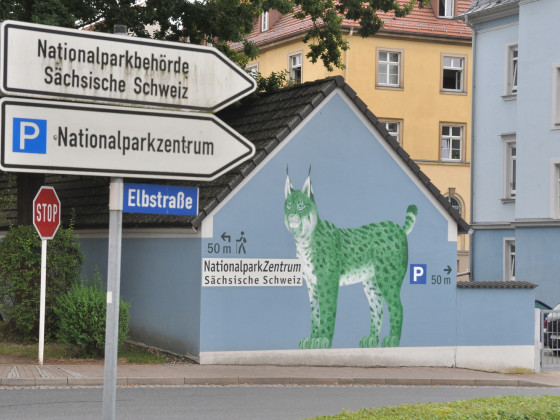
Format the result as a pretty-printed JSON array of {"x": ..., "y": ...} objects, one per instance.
[
  {"x": 113, "y": 290},
  {"x": 51, "y": 136}
]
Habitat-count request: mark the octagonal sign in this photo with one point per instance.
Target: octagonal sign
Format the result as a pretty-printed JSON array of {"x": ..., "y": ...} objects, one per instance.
[{"x": 46, "y": 212}]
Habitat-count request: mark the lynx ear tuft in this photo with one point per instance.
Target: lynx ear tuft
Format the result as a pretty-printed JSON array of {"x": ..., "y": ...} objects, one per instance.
[
  {"x": 288, "y": 187},
  {"x": 307, "y": 188}
]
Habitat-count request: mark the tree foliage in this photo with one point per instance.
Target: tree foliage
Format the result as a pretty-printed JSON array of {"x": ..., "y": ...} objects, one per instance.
[
  {"x": 220, "y": 22},
  {"x": 20, "y": 277},
  {"x": 81, "y": 314}
]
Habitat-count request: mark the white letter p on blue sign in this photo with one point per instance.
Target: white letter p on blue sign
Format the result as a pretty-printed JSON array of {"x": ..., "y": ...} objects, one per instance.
[
  {"x": 29, "y": 136},
  {"x": 418, "y": 273}
]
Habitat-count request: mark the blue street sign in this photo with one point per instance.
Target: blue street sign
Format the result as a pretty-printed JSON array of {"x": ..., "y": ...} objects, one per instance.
[{"x": 160, "y": 199}]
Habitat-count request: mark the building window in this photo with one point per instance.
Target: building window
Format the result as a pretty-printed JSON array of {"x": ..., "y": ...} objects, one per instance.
[
  {"x": 451, "y": 142},
  {"x": 295, "y": 67},
  {"x": 264, "y": 21},
  {"x": 455, "y": 203},
  {"x": 555, "y": 190},
  {"x": 556, "y": 96},
  {"x": 453, "y": 73},
  {"x": 509, "y": 259},
  {"x": 446, "y": 8},
  {"x": 393, "y": 127},
  {"x": 512, "y": 55},
  {"x": 253, "y": 69},
  {"x": 510, "y": 166},
  {"x": 389, "y": 68}
]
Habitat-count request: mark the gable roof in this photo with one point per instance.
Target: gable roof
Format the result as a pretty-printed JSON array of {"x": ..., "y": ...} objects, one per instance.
[
  {"x": 483, "y": 7},
  {"x": 421, "y": 22},
  {"x": 264, "y": 119}
]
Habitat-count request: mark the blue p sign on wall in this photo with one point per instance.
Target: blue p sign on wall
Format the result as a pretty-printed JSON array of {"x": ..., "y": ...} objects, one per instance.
[{"x": 418, "y": 273}]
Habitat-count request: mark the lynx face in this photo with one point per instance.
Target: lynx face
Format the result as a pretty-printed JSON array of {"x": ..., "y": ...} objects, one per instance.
[{"x": 300, "y": 211}]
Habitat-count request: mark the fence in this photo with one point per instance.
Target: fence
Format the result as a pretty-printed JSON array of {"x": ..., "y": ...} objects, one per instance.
[{"x": 550, "y": 339}]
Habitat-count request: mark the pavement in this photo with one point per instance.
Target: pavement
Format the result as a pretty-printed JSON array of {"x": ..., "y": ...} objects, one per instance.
[{"x": 83, "y": 374}]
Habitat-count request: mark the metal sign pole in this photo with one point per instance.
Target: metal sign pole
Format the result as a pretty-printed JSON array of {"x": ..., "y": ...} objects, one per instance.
[
  {"x": 113, "y": 298},
  {"x": 42, "y": 300}
]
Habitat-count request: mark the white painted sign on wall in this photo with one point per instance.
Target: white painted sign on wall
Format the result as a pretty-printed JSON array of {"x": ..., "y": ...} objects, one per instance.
[{"x": 239, "y": 272}]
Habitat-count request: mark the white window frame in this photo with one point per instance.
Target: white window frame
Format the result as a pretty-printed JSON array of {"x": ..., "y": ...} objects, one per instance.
[
  {"x": 555, "y": 188},
  {"x": 555, "y": 113},
  {"x": 450, "y": 139},
  {"x": 448, "y": 9},
  {"x": 509, "y": 167},
  {"x": 512, "y": 71},
  {"x": 252, "y": 69},
  {"x": 459, "y": 200},
  {"x": 462, "y": 70},
  {"x": 386, "y": 65},
  {"x": 509, "y": 259},
  {"x": 397, "y": 134},
  {"x": 292, "y": 67},
  {"x": 265, "y": 19}
]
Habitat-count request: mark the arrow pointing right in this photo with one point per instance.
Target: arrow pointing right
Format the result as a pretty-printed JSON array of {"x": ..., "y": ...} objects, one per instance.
[{"x": 448, "y": 270}]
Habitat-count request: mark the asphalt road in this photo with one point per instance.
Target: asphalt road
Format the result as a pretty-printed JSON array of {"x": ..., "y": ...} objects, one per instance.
[{"x": 230, "y": 402}]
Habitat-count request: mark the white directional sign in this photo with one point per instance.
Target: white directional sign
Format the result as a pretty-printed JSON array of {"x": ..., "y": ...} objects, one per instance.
[
  {"x": 71, "y": 138},
  {"x": 52, "y": 62}
]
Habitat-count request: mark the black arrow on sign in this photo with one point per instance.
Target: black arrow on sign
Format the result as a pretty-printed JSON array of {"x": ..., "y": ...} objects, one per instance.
[
  {"x": 224, "y": 236},
  {"x": 448, "y": 270}
]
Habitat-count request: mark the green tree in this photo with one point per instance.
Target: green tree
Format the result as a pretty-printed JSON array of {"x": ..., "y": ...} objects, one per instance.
[
  {"x": 20, "y": 277},
  {"x": 217, "y": 21}
]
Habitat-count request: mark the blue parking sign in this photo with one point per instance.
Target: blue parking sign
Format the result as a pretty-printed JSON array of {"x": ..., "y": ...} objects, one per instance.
[
  {"x": 29, "y": 136},
  {"x": 418, "y": 273}
]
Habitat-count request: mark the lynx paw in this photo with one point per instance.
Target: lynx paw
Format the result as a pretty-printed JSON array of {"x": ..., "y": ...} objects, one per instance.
[
  {"x": 315, "y": 343},
  {"x": 391, "y": 341},
  {"x": 369, "y": 341}
]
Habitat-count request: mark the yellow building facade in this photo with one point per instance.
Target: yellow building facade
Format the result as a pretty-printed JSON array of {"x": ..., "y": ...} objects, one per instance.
[{"x": 414, "y": 78}]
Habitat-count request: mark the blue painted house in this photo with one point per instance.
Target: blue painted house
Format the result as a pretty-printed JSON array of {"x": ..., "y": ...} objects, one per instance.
[
  {"x": 516, "y": 143},
  {"x": 329, "y": 247}
]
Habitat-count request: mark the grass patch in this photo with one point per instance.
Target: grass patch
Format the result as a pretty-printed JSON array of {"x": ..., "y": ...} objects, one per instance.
[
  {"x": 496, "y": 408},
  {"x": 59, "y": 352},
  {"x": 140, "y": 355},
  {"x": 14, "y": 346}
]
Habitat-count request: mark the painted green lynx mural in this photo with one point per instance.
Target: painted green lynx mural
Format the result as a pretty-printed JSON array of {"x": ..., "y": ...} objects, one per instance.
[{"x": 375, "y": 255}]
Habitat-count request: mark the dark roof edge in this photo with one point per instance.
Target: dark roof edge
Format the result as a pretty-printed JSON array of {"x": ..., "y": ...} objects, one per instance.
[
  {"x": 495, "y": 285},
  {"x": 462, "y": 225},
  {"x": 280, "y": 136},
  {"x": 339, "y": 82}
]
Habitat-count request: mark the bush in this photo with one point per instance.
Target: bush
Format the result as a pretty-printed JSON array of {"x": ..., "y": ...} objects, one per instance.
[
  {"x": 82, "y": 315},
  {"x": 20, "y": 277}
]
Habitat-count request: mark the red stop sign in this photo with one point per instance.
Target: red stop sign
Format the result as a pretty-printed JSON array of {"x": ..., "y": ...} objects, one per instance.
[{"x": 46, "y": 212}]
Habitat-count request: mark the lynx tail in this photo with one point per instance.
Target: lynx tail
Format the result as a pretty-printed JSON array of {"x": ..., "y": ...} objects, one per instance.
[{"x": 411, "y": 213}]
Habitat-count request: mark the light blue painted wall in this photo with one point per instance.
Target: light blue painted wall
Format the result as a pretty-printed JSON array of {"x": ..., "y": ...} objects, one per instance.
[
  {"x": 161, "y": 280},
  {"x": 488, "y": 254},
  {"x": 355, "y": 182},
  {"x": 540, "y": 263},
  {"x": 495, "y": 317},
  {"x": 537, "y": 144},
  {"x": 492, "y": 117}
]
